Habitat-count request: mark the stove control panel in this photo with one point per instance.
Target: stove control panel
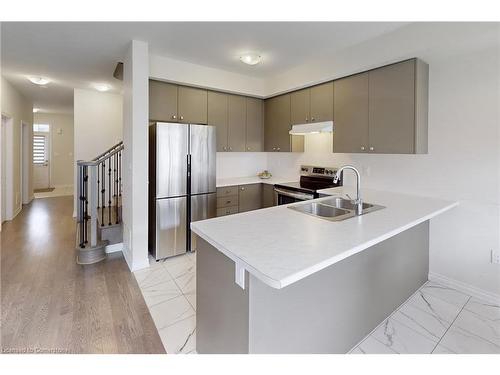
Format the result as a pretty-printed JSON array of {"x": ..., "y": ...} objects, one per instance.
[{"x": 309, "y": 170}]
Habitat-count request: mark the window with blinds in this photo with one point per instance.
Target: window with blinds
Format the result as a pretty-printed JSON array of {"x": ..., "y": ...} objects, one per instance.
[{"x": 39, "y": 149}]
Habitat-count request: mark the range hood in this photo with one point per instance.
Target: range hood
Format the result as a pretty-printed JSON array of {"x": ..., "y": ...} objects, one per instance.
[{"x": 313, "y": 128}]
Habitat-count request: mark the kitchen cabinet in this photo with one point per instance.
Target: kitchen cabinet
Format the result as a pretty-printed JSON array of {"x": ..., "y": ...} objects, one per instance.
[
  {"x": 250, "y": 197},
  {"x": 277, "y": 124},
  {"x": 192, "y": 105},
  {"x": 383, "y": 110},
  {"x": 254, "y": 124},
  {"x": 395, "y": 122},
  {"x": 314, "y": 104},
  {"x": 321, "y": 99},
  {"x": 236, "y": 120},
  {"x": 350, "y": 109},
  {"x": 300, "y": 106},
  {"x": 162, "y": 101},
  {"x": 267, "y": 195},
  {"x": 217, "y": 116}
]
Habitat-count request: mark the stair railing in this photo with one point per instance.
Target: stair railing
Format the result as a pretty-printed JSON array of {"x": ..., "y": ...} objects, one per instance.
[{"x": 99, "y": 186}]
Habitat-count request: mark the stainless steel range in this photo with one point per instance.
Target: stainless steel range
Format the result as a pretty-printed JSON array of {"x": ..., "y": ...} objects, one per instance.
[{"x": 312, "y": 179}]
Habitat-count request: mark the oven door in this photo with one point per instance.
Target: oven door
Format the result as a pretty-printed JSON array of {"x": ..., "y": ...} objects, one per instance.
[{"x": 283, "y": 196}]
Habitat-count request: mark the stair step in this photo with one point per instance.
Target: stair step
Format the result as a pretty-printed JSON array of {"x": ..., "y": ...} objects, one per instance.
[
  {"x": 111, "y": 233},
  {"x": 91, "y": 255}
]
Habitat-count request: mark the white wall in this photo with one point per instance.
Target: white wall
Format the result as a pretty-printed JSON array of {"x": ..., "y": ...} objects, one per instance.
[
  {"x": 463, "y": 162},
  {"x": 61, "y": 147},
  {"x": 240, "y": 164},
  {"x": 98, "y": 124},
  {"x": 16, "y": 107},
  {"x": 135, "y": 155}
]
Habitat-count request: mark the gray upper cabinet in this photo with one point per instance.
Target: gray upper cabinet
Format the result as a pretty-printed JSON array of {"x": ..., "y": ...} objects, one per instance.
[
  {"x": 277, "y": 125},
  {"x": 217, "y": 116},
  {"x": 250, "y": 197},
  {"x": 383, "y": 110},
  {"x": 393, "y": 121},
  {"x": 236, "y": 119},
  {"x": 300, "y": 106},
  {"x": 255, "y": 125},
  {"x": 350, "y": 109},
  {"x": 321, "y": 99},
  {"x": 192, "y": 105},
  {"x": 162, "y": 101}
]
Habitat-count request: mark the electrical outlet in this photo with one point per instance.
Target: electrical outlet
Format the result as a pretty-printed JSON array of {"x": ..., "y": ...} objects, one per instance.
[{"x": 495, "y": 256}]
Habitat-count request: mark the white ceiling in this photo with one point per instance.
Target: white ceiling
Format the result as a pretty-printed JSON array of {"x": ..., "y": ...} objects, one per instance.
[{"x": 75, "y": 55}]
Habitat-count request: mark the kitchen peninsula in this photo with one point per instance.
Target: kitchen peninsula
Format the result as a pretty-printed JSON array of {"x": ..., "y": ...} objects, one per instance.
[{"x": 280, "y": 281}]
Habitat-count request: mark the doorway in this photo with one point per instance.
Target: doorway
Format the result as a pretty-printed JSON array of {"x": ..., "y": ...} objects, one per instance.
[{"x": 41, "y": 158}]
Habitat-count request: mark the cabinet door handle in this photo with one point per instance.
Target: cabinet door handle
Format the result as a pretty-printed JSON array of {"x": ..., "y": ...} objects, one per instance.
[
  {"x": 371, "y": 148},
  {"x": 312, "y": 118},
  {"x": 242, "y": 188},
  {"x": 227, "y": 202},
  {"x": 174, "y": 117},
  {"x": 307, "y": 119},
  {"x": 362, "y": 148},
  {"x": 248, "y": 148},
  {"x": 224, "y": 148},
  {"x": 278, "y": 149},
  {"x": 274, "y": 148},
  {"x": 181, "y": 117},
  {"x": 230, "y": 149}
]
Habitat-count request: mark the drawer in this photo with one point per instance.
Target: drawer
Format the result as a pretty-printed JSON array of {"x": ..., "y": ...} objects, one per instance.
[
  {"x": 227, "y": 190},
  {"x": 227, "y": 211},
  {"x": 227, "y": 201}
]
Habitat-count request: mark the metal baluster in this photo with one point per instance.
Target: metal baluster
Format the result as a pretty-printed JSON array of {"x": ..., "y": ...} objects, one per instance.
[
  {"x": 85, "y": 189},
  {"x": 103, "y": 191},
  {"x": 80, "y": 199},
  {"x": 116, "y": 186},
  {"x": 97, "y": 186},
  {"x": 109, "y": 192},
  {"x": 119, "y": 181}
]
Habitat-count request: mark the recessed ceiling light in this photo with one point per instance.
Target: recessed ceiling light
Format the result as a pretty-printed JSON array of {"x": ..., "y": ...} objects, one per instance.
[
  {"x": 102, "y": 87},
  {"x": 39, "y": 80},
  {"x": 35, "y": 110},
  {"x": 251, "y": 58}
]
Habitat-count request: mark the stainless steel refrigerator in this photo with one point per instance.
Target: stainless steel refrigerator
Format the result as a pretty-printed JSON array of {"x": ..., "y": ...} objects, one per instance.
[{"x": 181, "y": 185}]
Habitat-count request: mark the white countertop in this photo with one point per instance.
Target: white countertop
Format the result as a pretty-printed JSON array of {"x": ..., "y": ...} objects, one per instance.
[
  {"x": 222, "y": 182},
  {"x": 280, "y": 246}
]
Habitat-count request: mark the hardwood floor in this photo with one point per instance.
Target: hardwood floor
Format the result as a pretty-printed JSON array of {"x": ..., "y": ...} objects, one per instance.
[{"x": 51, "y": 304}]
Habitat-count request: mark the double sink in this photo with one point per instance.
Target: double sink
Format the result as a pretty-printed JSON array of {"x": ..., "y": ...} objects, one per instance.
[{"x": 334, "y": 209}]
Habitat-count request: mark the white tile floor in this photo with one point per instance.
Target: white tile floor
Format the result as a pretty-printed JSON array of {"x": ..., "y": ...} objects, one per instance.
[{"x": 436, "y": 319}]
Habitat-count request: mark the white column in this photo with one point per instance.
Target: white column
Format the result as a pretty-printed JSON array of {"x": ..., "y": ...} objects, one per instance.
[{"x": 135, "y": 156}]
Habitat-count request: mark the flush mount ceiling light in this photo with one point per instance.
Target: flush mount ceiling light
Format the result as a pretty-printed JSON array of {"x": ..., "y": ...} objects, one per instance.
[
  {"x": 251, "y": 58},
  {"x": 102, "y": 87},
  {"x": 39, "y": 80}
]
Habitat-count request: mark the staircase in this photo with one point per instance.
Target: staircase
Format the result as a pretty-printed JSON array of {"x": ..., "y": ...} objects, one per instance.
[{"x": 99, "y": 209}]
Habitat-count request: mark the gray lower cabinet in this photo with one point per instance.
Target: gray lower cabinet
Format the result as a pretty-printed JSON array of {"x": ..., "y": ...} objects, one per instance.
[
  {"x": 242, "y": 198},
  {"x": 192, "y": 105},
  {"x": 254, "y": 125},
  {"x": 250, "y": 197},
  {"x": 162, "y": 101},
  {"x": 382, "y": 111},
  {"x": 267, "y": 195}
]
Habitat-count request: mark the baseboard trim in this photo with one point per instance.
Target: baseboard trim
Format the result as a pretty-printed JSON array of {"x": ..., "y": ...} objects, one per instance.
[
  {"x": 114, "y": 248},
  {"x": 465, "y": 288}
]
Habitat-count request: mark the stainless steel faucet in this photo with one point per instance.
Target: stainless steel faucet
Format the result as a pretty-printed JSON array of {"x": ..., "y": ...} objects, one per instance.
[{"x": 358, "y": 201}]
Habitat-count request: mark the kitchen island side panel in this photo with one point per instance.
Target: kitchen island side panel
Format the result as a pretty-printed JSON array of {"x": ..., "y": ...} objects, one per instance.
[
  {"x": 221, "y": 305},
  {"x": 333, "y": 309}
]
